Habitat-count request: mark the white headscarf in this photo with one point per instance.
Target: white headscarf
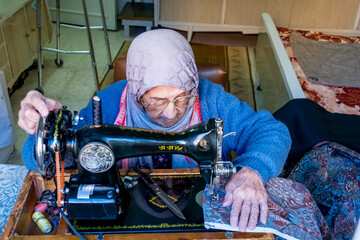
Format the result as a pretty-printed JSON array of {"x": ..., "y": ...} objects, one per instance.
[{"x": 158, "y": 58}]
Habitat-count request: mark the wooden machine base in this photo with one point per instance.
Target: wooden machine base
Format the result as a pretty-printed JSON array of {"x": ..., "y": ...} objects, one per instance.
[{"x": 21, "y": 227}]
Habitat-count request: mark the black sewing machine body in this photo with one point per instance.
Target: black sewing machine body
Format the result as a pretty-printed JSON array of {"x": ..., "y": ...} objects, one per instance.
[
  {"x": 97, "y": 192},
  {"x": 108, "y": 193}
]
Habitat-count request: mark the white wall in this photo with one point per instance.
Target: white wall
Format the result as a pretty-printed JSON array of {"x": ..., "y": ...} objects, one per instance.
[{"x": 71, "y": 12}]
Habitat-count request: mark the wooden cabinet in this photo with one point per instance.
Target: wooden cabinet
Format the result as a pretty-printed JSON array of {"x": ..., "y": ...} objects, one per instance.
[
  {"x": 325, "y": 14},
  {"x": 198, "y": 11},
  {"x": 18, "y": 36},
  {"x": 245, "y": 12},
  {"x": 332, "y": 16},
  {"x": 17, "y": 42}
]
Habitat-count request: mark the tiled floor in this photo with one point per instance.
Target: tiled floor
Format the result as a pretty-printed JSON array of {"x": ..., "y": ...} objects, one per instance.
[{"x": 73, "y": 83}]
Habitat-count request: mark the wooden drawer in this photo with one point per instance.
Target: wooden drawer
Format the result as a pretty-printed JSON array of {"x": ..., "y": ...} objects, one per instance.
[
  {"x": 328, "y": 14},
  {"x": 199, "y": 11}
]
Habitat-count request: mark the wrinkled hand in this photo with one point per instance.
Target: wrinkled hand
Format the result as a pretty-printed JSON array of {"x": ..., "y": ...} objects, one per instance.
[
  {"x": 247, "y": 195},
  {"x": 32, "y": 106}
]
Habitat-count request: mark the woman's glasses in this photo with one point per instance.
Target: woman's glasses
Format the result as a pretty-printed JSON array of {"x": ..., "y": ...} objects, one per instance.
[{"x": 160, "y": 105}]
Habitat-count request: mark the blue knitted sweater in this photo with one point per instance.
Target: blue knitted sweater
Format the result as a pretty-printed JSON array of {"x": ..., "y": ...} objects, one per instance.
[{"x": 261, "y": 142}]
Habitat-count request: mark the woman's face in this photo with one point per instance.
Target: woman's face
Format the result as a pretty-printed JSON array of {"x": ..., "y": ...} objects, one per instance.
[{"x": 161, "y": 106}]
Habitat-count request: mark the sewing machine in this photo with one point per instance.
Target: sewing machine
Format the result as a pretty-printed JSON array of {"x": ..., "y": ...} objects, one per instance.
[{"x": 97, "y": 192}]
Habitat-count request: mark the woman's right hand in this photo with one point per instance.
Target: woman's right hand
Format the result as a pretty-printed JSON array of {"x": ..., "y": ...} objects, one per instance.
[{"x": 32, "y": 106}]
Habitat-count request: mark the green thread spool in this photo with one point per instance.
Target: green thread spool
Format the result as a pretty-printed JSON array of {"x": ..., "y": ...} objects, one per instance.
[{"x": 40, "y": 220}]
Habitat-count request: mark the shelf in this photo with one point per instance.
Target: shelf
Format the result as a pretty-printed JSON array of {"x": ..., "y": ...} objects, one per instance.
[{"x": 137, "y": 11}]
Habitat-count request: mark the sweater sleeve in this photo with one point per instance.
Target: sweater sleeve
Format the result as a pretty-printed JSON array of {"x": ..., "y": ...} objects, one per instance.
[
  {"x": 110, "y": 99},
  {"x": 261, "y": 143}
]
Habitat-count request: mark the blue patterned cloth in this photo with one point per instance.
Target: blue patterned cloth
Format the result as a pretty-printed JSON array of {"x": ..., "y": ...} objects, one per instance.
[
  {"x": 162, "y": 161},
  {"x": 331, "y": 172},
  {"x": 11, "y": 180}
]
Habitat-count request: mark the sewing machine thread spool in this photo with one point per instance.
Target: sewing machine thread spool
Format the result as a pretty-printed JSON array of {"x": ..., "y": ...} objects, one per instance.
[
  {"x": 40, "y": 220},
  {"x": 97, "y": 115}
]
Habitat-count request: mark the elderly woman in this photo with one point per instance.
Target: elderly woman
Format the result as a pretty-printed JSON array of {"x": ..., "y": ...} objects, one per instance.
[{"x": 163, "y": 92}]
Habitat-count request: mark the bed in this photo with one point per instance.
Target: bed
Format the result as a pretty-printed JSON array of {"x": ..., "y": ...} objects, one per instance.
[{"x": 281, "y": 77}]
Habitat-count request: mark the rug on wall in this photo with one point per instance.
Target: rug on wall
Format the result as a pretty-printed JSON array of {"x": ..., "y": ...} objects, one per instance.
[{"x": 234, "y": 59}]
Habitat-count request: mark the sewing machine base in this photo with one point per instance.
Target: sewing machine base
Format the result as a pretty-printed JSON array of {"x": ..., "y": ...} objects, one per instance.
[
  {"x": 21, "y": 227},
  {"x": 148, "y": 214}
]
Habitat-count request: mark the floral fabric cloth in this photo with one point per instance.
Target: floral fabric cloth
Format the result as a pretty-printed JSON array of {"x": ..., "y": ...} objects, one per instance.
[
  {"x": 11, "y": 180},
  {"x": 334, "y": 99},
  {"x": 331, "y": 172},
  {"x": 319, "y": 200},
  {"x": 293, "y": 213}
]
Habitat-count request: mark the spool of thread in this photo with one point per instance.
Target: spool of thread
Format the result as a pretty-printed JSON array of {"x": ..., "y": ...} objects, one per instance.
[
  {"x": 41, "y": 207},
  {"x": 97, "y": 114},
  {"x": 54, "y": 216},
  {"x": 55, "y": 221},
  {"x": 40, "y": 220}
]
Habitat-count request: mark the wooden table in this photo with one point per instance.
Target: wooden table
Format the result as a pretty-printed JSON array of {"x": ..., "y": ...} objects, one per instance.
[
  {"x": 18, "y": 37},
  {"x": 20, "y": 225}
]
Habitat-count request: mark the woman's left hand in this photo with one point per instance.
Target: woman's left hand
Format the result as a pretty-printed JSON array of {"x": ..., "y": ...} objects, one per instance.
[{"x": 247, "y": 195}]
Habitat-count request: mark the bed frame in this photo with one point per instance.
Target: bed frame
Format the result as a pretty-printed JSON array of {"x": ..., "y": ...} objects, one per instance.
[{"x": 276, "y": 76}]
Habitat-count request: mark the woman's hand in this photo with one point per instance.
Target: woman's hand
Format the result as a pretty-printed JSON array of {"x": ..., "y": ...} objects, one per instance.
[
  {"x": 32, "y": 106},
  {"x": 247, "y": 195}
]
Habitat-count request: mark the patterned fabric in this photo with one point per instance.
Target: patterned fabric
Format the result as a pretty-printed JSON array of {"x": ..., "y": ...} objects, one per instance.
[
  {"x": 292, "y": 210},
  {"x": 331, "y": 172},
  {"x": 334, "y": 99},
  {"x": 162, "y": 161},
  {"x": 160, "y": 57},
  {"x": 293, "y": 213},
  {"x": 11, "y": 180}
]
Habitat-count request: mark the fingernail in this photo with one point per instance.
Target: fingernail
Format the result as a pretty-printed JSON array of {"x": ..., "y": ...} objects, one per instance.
[{"x": 44, "y": 112}]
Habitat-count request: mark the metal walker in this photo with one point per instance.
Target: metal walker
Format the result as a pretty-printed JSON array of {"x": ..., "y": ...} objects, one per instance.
[{"x": 58, "y": 60}]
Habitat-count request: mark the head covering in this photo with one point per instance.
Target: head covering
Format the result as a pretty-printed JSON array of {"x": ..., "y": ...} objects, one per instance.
[{"x": 159, "y": 58}]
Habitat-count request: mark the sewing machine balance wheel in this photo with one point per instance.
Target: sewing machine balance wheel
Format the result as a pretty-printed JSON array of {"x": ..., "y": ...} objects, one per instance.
[
  {"x": 41, "y": 151},
  {"x": 48, "y": 140}
]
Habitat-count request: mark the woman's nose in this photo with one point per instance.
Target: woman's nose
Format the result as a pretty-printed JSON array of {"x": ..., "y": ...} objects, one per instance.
[{"x": 170, "y": 111}]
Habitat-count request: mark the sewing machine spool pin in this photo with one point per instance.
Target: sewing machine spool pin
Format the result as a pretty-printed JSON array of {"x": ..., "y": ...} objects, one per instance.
[{"x": 97, "y": 113}]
